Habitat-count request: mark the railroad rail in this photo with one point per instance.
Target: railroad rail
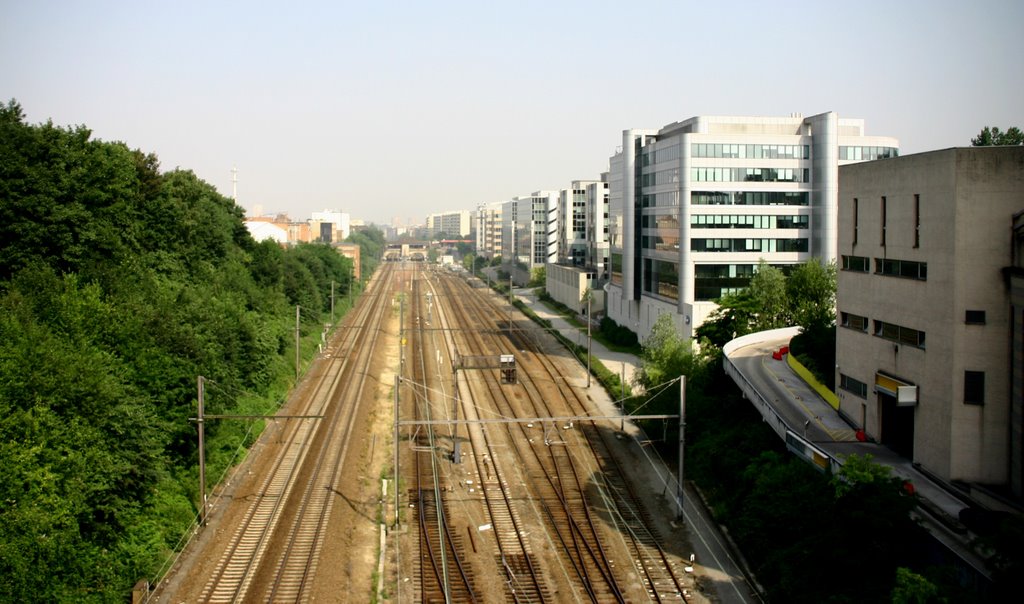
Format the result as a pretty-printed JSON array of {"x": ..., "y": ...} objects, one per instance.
[
  {"x": 573, "y": 465},
  {"x": 272, "y": 555}
]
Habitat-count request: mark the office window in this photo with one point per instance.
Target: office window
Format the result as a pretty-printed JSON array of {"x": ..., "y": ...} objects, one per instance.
[
  {"x": 856, "y": 263},
  {"x": 851, "y": 385},
  {"x": 899, "y": 334},
  {"x": 974, "y": 317},
  {"x": 974, "y": 387},
  {"x": 856, "y": 218},
  {"x": 883, "y": 221},
  {"x": 917, "y": 220},
  {"x": 852, "y": 321},
  {"x": 892, "y": 267}
]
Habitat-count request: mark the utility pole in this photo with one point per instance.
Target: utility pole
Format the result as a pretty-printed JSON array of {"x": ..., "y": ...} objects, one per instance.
[
  {"x": 589, "y": 340},
  {"x": 296, "y": 343},
  {"x": 401, "y": 333},
  {"x": 398, "y": 382},
  {"x": 510, "y": 305},
  {"x": 202, "y": 454},
  {"x": 332, "y": 301},
  {"x": 588, "y": 295},
  {"x": 682, "y": 440}
]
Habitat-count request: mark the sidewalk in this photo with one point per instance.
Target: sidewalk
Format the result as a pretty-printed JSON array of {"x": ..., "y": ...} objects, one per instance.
[{"x": 612, "y": 360}]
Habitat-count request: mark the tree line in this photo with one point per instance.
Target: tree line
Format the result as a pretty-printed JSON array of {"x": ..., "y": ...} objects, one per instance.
[{"x": 119, "y": 285}]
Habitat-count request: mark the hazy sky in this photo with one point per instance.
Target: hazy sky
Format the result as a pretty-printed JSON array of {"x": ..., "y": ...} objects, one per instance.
[{"x": 393, "y": 110}]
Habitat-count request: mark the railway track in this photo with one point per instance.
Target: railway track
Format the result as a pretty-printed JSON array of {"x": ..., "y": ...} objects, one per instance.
[
  {"x": 272, "y": 555},
  {"x": 555, "y": 486},
  {"x": 443, "y": 573},
  {"x": 573, "y": 464}
]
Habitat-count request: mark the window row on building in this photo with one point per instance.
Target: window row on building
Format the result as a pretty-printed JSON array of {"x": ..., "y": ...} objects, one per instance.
[
  {"x": 749, "y": 198},
  {"x": 855, "y": 153},
  {"x": 883, "y": 329},
  {"x": 718, "y": 150},
  {"x": 703, "y": 174},
  {"x": 890, "y": 267},
  {"x": 749, "y": 245},
  {"x": 719, "y": 221}
]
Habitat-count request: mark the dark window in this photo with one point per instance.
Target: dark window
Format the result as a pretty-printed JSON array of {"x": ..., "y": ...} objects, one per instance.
[
  {"x": 849, "y": 384},
  {"x": 901, "y": 268},
  {"x": 974, "y": 387},
  {"x": 899, "y": 334},
  {"x": 917, "y": 220},
  {"x": 852, "y": 321},
  {"x": 883, "y": 221},
  {"x": 856, "y": 263},
  {"x": 856, "y": 220},
  {"x": 975, "y": 317}
]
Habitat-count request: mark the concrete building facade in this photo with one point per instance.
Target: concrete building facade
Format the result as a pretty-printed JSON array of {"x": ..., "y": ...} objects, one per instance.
[
  {"x": 696, "y": 205},
  {"x": 927, "y": 325},
  {"x": 568, "y": 285}
]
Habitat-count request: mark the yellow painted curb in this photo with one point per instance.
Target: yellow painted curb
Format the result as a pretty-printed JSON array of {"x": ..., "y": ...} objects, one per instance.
[{"x": 808, "y": 377}]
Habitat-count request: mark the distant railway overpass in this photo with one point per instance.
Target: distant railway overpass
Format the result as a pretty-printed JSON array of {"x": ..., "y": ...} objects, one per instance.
[{"x": 415, "y": 251}]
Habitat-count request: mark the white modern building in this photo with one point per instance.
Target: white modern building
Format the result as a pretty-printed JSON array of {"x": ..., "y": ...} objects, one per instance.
[
  {"x": 488, "y": 229},
  {"x": 453, "y": 224},
  {"x": 572, "y": 224},
  {"x": 696, "y": 205},
  {"x": 930, "y": 305},
  {"x": 330, "y": 226},
  {"x": 582, "y": 224},
  {"x": 597, "y": 227},
  {"x": 529, "y": 234}
]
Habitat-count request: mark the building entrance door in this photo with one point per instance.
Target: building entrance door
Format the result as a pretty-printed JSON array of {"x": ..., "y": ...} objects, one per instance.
[{"x": 897, "y": 425}]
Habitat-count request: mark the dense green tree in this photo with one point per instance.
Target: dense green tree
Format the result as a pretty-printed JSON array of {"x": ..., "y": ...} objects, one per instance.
[
  {"x": 538, "y": 277},
  {"x": 993, "y": 136},
  {"x": 120, "y": 284},
  {"x": 811, "y": 294},
  {"x": 665, "y": 355},
  {"x": 769, "y": 295},
  {"x": 733, "y": 318},
  {"x": 371, "y": 247},
  {"x": 912, "y": 588}
]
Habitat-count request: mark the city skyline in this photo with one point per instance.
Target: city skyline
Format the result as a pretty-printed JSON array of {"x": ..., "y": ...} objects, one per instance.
[{"x": 403, "y": 110}]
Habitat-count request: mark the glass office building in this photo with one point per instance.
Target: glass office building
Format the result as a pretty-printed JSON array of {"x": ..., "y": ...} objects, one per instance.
[{"x": 696, "y": 205}]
